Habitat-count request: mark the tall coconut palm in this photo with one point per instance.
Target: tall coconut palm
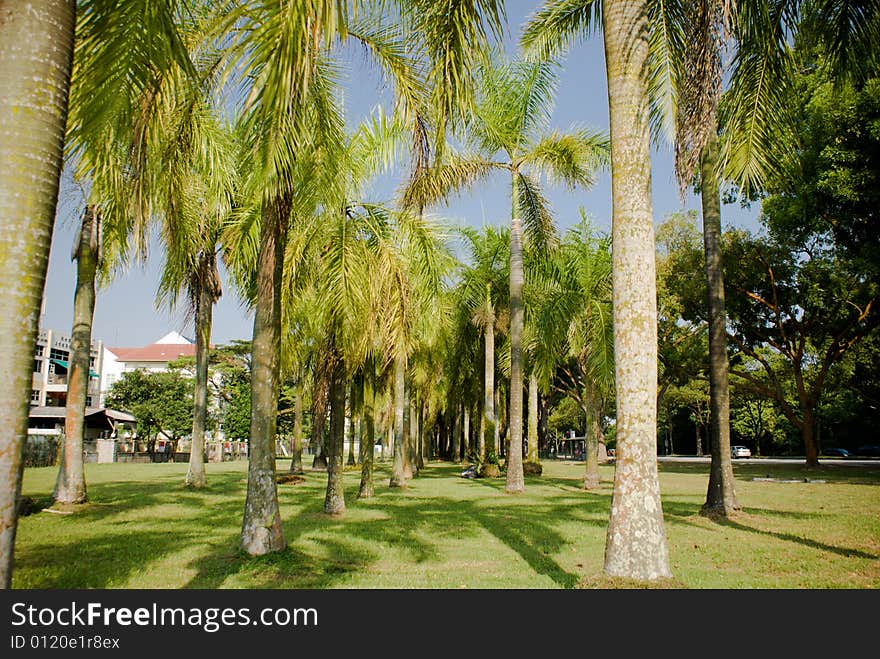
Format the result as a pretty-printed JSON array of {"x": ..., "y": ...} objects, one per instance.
[
  {"x": 511, "y": 120},
  {"x": 636, "y": 541},
  {"x": 36, "y": 49}
]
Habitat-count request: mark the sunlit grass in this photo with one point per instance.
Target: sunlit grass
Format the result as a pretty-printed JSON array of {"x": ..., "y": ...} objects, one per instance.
[{"x": 143, "y": 529}]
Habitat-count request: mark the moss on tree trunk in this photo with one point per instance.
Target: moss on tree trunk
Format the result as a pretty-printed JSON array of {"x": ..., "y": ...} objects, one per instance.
[
  {"x": 261, "y": 526},
  {"x": 36, "y": 51}
]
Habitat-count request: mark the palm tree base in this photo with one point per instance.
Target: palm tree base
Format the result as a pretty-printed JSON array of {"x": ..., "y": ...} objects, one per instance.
[
  {"x": 195, "y": 481},
  {"x": 718, "y": 510},
  {"x": 71, "y": 497},
  {"x": 591, "y": 482}
]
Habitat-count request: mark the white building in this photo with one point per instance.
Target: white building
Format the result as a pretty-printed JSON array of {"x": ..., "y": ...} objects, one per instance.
[{"x": 153, "y": 358}]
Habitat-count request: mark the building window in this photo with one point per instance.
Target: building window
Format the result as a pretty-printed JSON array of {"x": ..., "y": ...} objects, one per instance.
[
  {"x": 38, "y": 350},
  {"x": 38, "y": 366},
  {"x": 35, "y": 396},
  {"x": 88, "y": 401},
  {"x": 55, "y": 353}
]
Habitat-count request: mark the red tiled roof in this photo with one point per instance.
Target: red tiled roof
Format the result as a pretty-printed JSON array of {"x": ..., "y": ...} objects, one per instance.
[{"x": 155, "y": 352}]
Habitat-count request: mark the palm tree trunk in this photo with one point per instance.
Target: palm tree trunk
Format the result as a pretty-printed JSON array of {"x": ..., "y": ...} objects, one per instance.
[
  {"x": 488, "y": 427},
  {"x": 195, "y": 476},
  {"x": 296, "y": 463},
  {"x": 368, "y": 440},
  {"x": 70, "y": 486},
  {"x": 500, "y": 418},
  {"x": 319, "y": 424},
  {"x": 415, "y": 436},
  {"x": 635, "y": 545},
  {"x": 591, "y": 440},
  {"x": 466, "y": 432},
  {"x": 334, "y": 500},
  {"x": 515, "y": 479},
  {"x": 458, "y": 438},
  {"x": 355, "y": 404},
  {"x": 398, "y": 478},
  {"x": 261, "y": 527},
  {"x": 721, "y": 495},
  {"x": 533, "y": 420},
  {"x": 411, "y": 464},
  {"x": 36, "y": 51},
  {"x": 424, "y": 439}
]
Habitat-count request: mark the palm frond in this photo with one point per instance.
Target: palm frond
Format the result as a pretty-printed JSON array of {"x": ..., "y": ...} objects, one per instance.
[
  {"x": 755, "y": 111},
  {"x": 454, "y": 36},
  {"x": 570, "y": 158},
  {"x": 552, "y": 29},
  {"x": 438, "y": 183},
  {"x": 534, "y": 210},
  {"x": 665, "y": 59}
]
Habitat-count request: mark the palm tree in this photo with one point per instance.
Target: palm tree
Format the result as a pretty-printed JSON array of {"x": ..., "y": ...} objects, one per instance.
[
  {"x": 196, "y": 177},
  {"x": 573, "y": 335},
  {"x": 36, "y": 50},
  {"x": 511, "y": 118},
  {"x": 636, "y": 540},
  {"x": 118, "y": 105},
  {"x": 481, "y": 295},
  {"x": 279, "y": 48}
]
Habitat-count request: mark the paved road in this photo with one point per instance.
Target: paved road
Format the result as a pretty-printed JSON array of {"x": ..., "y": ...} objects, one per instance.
[{"x": 854, "y": 462}]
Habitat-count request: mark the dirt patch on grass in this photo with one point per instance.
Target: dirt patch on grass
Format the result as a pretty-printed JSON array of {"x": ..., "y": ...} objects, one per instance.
[
  {"x": 289, "y": 479},
  {"x": 620, "y": 583}
]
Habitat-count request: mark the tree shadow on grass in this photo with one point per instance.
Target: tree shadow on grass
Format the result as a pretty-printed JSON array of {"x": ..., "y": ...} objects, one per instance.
[
  {"x": 790, "y": 537},
  {"x": 103, "y": 561},
  {"x": 324, "y": 552}
]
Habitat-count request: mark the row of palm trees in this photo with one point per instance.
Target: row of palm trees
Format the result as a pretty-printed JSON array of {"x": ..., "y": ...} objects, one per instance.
[{"x": 220, "y": 124}]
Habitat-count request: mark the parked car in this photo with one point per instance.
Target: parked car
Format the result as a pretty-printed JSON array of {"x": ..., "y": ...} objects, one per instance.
[
  {"x": 740, "y": 452},
  {"x": 868, "y": 451},
  {"x": 836, "y": 452}
]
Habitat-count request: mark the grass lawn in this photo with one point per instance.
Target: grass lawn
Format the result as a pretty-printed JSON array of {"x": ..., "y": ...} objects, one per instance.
[{"x": 143, "y": 529}]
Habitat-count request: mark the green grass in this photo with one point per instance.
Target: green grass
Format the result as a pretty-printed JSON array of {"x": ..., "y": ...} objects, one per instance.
[{"x": 143, "y": 529}]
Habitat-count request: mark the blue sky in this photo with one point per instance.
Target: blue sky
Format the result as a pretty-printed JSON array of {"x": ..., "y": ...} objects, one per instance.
[{"x": 125, "y": 314}]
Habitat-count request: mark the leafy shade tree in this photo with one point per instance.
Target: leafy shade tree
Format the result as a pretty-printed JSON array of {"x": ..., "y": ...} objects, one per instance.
[
  {"x": 509, "y": 133},
  {"x": 755, "y": 418},
  {"x": 36, "y": 50},
  {"x": 160, "y": 402},
  {"x": 830, "y": 188},
  {"x": 809, "y": 311}
]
